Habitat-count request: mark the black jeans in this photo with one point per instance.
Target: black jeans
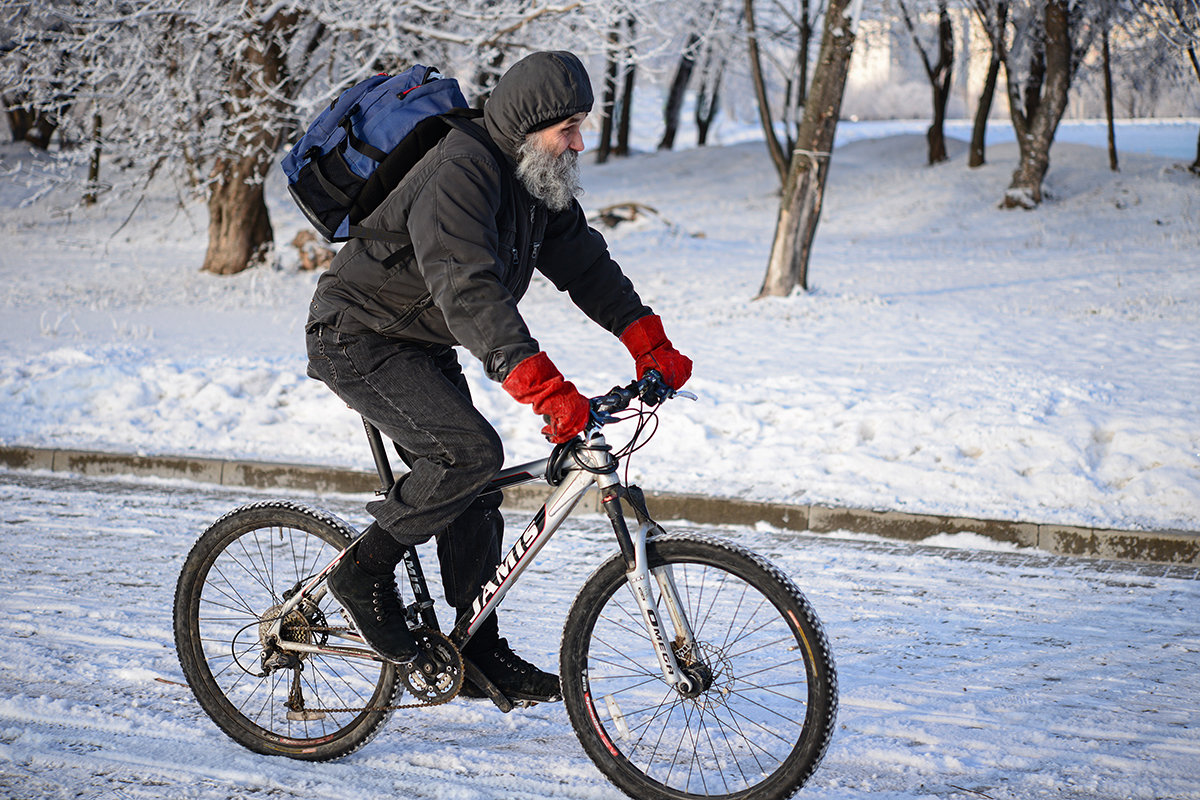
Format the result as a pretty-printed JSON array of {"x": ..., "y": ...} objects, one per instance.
[{"x": 417, "y": 396}]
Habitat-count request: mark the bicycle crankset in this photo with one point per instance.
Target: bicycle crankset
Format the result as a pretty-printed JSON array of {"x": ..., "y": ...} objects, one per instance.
[{"x": 436, "y": 674}]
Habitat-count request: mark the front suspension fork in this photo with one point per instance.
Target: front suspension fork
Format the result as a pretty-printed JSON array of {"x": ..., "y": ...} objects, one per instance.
[{"x": 638, "y": 574}]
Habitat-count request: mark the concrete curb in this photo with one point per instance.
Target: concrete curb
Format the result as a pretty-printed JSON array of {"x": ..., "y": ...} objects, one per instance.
[{"x": 1169, "y": 547}]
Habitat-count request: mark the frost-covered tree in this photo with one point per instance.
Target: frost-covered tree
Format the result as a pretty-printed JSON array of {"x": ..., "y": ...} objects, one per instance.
[
  {"x": 709, "y": 30},
  {"x": 1178, "y": 23},
  {"x": 1041, "y": 50},
  {"x": 939, "y": 70},
  {"x": 212, "y": 89},
  {"x": 780, "y": 48},
  {"x": 631, "y": 35},
  {"x": 616, "y": 100},
  {"x": 32, "y": 118}
]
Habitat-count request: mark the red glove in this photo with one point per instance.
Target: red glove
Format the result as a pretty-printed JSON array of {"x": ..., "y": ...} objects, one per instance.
[
  {"x": 537, "y": 382},
  {"x": 651, "y": 349}
]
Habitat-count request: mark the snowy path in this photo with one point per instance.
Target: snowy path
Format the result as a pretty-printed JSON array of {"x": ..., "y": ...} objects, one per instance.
[{"x": 964, "y": 674}]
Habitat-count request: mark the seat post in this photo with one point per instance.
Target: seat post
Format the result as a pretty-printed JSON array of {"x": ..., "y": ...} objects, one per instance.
[{"x": 382, "y": 465}]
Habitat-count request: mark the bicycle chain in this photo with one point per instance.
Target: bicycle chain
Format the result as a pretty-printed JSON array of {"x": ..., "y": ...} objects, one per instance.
[{"x": 394, "y": 707}]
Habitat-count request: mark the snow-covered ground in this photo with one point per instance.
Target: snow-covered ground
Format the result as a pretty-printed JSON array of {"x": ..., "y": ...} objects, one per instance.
[
  {"x": 963, "y": 675},
  {"x": 952, "y": 357}
]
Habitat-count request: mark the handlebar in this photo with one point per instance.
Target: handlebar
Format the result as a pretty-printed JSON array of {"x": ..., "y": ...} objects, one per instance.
[{"x": 651, "y": 390}]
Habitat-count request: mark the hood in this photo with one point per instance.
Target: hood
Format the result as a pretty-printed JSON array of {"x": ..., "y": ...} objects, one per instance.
[{"x": 537, "y": 91}]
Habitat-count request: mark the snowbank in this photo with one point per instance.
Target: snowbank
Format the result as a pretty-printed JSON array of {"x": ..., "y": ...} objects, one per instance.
[{"x": 951, "y": 358}]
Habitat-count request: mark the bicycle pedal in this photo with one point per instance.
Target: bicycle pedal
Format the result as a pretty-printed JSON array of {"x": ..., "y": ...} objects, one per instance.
[{"x": 489, "y": 689}]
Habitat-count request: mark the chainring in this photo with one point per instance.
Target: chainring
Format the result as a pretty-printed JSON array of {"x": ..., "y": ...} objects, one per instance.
[{"x": 444, "y": 677}]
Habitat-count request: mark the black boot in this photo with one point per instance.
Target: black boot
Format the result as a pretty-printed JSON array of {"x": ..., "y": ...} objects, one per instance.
[
  {"x": 373, "y": 604},
  {"x": 515, "y": 677}
]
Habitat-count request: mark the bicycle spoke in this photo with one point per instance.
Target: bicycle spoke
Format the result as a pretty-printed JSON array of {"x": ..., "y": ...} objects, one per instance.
[
  {"x": 744, "y": 714},
  {"x": 260, "y": 692}
]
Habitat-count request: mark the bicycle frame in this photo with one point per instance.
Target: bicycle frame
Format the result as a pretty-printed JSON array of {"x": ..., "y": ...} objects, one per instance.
[
  {"x": 593, "y": 465},
  {"x": 725, "y": 689}
]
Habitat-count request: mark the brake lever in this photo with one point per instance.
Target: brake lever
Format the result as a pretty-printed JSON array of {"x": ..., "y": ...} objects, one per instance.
[{"x": 602, "y": 418}]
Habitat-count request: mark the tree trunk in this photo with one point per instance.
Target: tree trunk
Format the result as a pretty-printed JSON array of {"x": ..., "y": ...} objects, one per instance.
[
  {"x": 708, "y": 94},
  {"x": 1106, "y": 57},
  {"x": 93, "y": 177},
  {"x": 708, "y": 101},
  {"x": 35, "y": 127},
  {"x": 1191, "y": 51},
  {"x": 1035, "y": 132},
  {"x": 674, "y": 105},
  {"x": 624, "y": 119},
  {"x": 939, "y": 75},
  {"x": 984, "y": 109},
  {"x": 796, "y": 95},
  {"x": 778, "y": 157},
  {"x": 1037, "y": 77},
  {"x": 239, "y": 229},
  {"x": 940, "y": 78},
  {"x": 804, "y": 189},
  {"x": 608, "y": 103}
]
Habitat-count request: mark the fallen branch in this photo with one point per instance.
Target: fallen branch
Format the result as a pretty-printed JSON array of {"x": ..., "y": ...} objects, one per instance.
[{"x": 614, "y": 215}]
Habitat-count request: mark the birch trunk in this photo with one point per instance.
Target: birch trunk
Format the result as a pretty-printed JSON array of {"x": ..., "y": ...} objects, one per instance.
[{"x": 804, "y": 188}]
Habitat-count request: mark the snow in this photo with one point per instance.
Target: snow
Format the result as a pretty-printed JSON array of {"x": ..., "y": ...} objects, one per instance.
[
  {"x": 963, "y": 674},
  {"x": 952, "y": 358}
]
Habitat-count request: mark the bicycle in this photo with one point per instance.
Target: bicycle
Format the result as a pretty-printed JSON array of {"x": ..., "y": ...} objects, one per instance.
[{"x": 690, "y": 666}]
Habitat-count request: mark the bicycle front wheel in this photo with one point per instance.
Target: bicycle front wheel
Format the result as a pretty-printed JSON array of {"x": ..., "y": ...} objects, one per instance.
[
  {"x": 311, "y": 706},
  {"x": 761, "y": 712}
]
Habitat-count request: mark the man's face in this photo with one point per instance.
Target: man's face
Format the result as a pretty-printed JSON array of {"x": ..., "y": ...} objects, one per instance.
[
  {"x": 562, "y": 136},
  {"x": 547, "y": 163}
]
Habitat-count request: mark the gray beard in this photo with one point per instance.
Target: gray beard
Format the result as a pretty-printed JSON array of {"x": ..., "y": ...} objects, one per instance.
[{"x": 553, "y": 180}]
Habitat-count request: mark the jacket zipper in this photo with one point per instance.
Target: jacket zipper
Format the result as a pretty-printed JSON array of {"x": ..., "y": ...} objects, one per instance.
[{"x": 412, "y": 312}]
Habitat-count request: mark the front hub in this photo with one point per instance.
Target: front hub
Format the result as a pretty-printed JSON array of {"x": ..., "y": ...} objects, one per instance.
[{"x": 696, "y": 667}]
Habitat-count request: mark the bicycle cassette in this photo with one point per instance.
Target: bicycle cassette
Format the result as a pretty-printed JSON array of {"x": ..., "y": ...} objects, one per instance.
[{"x": 436, "y": 675}]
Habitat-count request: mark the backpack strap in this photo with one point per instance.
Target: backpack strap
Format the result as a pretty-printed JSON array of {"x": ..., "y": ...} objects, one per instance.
[
  {"x": 459, "y": 119},
  {"x": 369, "y": 150},
  {"x": 379, "y": 235}
]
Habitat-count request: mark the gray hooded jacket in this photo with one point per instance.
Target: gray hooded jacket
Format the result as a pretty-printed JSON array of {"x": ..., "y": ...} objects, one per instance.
[{"x": 477, "y": 236}]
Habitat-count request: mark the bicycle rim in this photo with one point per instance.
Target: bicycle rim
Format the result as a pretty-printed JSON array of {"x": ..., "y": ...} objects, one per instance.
[
  {"x": 313, "y": 707},
  {"x": 764, "y": 715}
]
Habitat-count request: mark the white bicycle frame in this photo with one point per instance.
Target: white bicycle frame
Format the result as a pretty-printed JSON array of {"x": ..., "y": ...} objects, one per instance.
[{"x": 594, "y": 465}]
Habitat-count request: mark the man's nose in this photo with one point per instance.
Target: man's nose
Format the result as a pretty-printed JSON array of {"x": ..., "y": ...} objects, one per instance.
[{"x": 576, "y": 142}]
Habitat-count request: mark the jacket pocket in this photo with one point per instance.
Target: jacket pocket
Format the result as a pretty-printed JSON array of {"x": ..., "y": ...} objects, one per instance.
[{"x": 408, "y": 315}]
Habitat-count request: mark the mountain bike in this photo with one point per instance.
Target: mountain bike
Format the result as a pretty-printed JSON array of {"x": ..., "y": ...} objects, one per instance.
[{"x": 690, "y": 666}]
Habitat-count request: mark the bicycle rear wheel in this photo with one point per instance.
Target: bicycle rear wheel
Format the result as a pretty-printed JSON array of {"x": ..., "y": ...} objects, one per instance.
[
  {"x": 763, "y": 712},
  {"x": 309, "y": 706}
]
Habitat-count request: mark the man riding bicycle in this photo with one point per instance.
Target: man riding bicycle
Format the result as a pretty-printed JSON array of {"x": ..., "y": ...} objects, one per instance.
[{"x": 381, "y": 334}]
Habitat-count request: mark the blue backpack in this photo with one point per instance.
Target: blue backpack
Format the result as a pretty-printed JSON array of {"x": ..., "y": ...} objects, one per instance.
[{"x": 357, "y": 150}]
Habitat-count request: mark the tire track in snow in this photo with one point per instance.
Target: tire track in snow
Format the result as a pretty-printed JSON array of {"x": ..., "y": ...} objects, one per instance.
[{"x": 1011, "y": 676}]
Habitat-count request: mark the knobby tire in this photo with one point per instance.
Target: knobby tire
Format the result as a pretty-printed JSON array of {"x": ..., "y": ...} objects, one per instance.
[
  {"x": 766, "y": 716},
  {"x": 235, "y": 573}
]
